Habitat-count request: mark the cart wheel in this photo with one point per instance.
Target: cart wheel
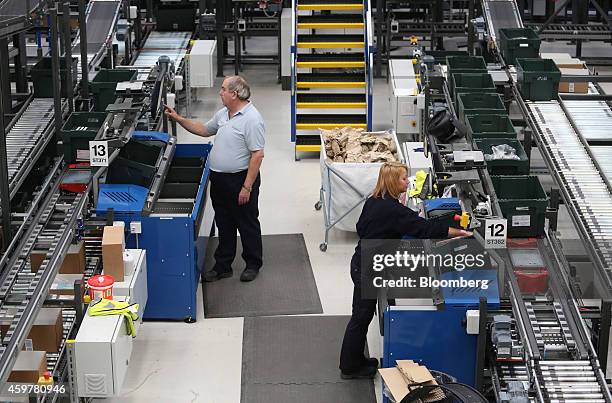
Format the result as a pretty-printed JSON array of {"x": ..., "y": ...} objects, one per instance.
[
  {"x": 318, "y": 205},
  {"x": 189, "y": 319},
  {"x": 323, "y": 247}
]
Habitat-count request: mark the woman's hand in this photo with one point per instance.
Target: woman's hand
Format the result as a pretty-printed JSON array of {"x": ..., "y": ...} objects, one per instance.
[{"x": 455, "y": 232}]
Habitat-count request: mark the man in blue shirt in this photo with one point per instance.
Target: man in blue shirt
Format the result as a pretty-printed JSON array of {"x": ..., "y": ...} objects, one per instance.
[{"x": 234, "y": 161}]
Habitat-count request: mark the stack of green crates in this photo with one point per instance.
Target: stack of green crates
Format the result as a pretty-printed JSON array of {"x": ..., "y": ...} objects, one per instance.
[
  {"x": 519, "y": 43},
  {"x": 464, "y": 83},
  {"x": 538, "y": 79},
  {"x": 523, "y": 202},
  {"x": 104, "y": 84},
  {"x": 463, "y": 64},
  {"x": 80, "y": 128},
  {"x": 479, "y": 104}
]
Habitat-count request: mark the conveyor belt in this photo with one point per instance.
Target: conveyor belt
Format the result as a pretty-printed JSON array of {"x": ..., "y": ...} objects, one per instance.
[
  {"x": 17, "y": 7},
  {"x": 53, "y": 226},
  {"x": 168, "y": 40},
  {"x": 586, "y": 189},
  {"x": 593, "y": 119},
  {"x": 27, "y": 138},
  {"x": 101, "y": 19},
  {"x": 501, "y": 14},
  {"x": 171, "y": 44}
]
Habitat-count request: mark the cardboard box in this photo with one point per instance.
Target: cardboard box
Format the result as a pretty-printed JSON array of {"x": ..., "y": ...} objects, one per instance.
[
  {"x": 46, "y": 333},
  {"x": 395, "y": 382},
  {"x": 560, "y": 58},
  {"x": 63, "y": 284},
  {"x": 113, "y": 245},
  {"x": 407, "y": 376},
  {"x": 74, "y": 262},
  {"x": 29, "y": 366},
  {"x": 570, "y": 86}
]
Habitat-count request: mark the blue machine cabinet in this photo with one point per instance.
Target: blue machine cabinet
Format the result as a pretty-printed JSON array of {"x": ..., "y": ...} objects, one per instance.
[
  {"x": 175, "y": 252},
  {"x": 437, "y": 338}
]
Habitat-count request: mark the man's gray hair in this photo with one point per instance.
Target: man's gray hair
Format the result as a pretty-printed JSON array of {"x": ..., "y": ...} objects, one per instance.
[{"x": 239, "y": 84}]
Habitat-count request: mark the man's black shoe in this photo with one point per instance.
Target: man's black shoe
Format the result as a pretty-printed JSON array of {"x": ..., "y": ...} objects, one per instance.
[
  {"x": 371, "y": 362},
  {"x": 365, "y": 372},
  {"x": 248, "y": 275},
  {"x": 212, "y": 275}
]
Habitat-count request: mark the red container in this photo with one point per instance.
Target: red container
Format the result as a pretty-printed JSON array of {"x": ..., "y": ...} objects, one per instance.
[
  {"x": 528, "y": 243},
  {"x": 532, "y": 281},
  {"x": 101, "y": 286}
]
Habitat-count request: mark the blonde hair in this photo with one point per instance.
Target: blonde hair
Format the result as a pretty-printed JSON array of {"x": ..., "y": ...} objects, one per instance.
[{"x": 388, "y": 180}]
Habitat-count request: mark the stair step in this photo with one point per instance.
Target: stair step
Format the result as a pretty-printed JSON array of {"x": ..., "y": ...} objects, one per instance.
[
  {"x": 330, "y": 21},
  {"x": 330, "y": 41},
  {"x": 330, "y": 80},
  {"x": 330, "y": 121},
  {"x": 331, "y": 60},
  {"x": 331, "y": 101},
  {"x": 330, "y": 5},
  {"x": 308, "y": 143}
]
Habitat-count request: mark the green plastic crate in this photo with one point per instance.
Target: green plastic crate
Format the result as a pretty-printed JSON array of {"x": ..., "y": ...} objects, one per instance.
[
  {"x": 42, "y": 77},
  {"x": 490, "y": 126},
  {"x": 472, "y": 82},
  {"x": 441, "y": 55},
  {"x": 504, "y": 167},
  {"x": 463, "y": 64},
  {"x": 519, "y": 43},
  {"x": 523, "y": 202},
  {"x": 80, "y": 128},
  {"x": 104, "y": 84},
  {"x": 479, "y": 104},
  {"x": 538, "y": 79}
]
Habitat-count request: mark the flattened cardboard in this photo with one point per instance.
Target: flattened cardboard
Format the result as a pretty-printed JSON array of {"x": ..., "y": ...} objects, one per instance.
[{"x": 393, "y": 378}]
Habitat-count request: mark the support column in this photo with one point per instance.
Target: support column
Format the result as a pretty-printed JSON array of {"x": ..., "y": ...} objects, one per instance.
[
  {"x": 55, "y": 73},
  {"x": 221, "y": 45},
  {"x": 20, "y": 61},
  {"x": 68, "y": 55},
  {"x": 83, "y": 39},
  {"x": 5, "y": 198},
  {"x": 5, "y": 77}
]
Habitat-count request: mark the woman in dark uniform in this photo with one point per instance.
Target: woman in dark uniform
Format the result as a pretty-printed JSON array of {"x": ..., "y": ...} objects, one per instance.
[{"x": 382, "y": 217}]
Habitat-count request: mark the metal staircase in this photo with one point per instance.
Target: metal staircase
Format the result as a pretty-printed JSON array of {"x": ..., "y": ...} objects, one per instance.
[{"x": 331, "y": 69}]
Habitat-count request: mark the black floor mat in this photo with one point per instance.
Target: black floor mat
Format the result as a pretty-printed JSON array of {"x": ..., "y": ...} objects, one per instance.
[
  {"x": 295, "y": 359},
  {"x": 285, "y": 285}
]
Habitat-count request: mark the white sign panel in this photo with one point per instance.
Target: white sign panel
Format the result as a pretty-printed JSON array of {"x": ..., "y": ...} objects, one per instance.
[
  {"x": 496, "y": 231},
  {"x": 98, "y": 153}
]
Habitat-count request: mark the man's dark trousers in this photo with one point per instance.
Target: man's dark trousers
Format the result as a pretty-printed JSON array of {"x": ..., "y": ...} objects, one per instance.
[{"x": 229, "y": 217}]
